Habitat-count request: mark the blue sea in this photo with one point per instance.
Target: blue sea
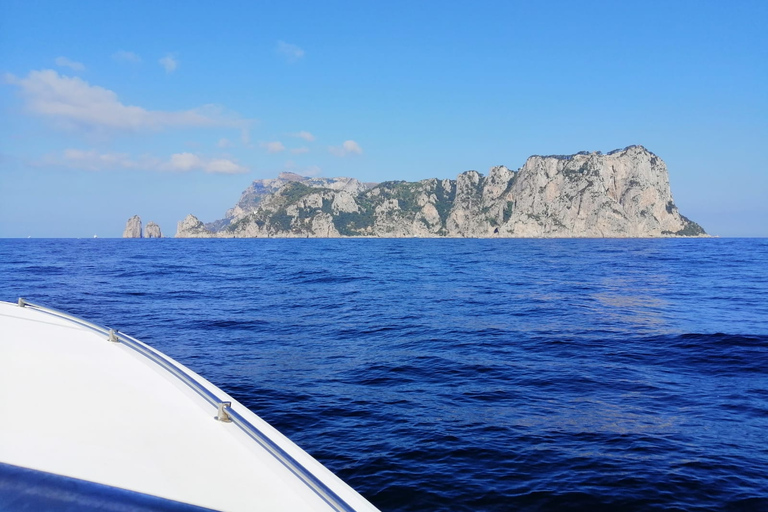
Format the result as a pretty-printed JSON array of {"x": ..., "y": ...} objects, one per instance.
[{"x": 461, "y": 374}]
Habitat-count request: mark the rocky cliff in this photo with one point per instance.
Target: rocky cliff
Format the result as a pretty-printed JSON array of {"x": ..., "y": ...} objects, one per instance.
[
  {"x": 152, "y": 230},
  {"x": 133, "y": 228},
  {"x": 192, "y": 227},
  {"x": 624, "y": 193},
  {"x": 260, "y": 189}
]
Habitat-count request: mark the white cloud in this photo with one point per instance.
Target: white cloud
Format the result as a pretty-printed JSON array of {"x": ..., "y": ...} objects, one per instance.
[
  {"x": 225, "y": 143},
  {"x": 92, "y": 160},
  {"x": 223, "y": 166},
  {"x": 273, "y": 147},
  {"x": 169, "y": 62},
  {"x": 299, "y": 151},
  {"x": 71, "y": 64},
  {"x": 190, "y": 162},
  {"x": 304, "y": 135},
  {"x": 74, "y": 103},
  {"x": 184, "y": 162},
  {"x": 348, "y": 147},
  {"x": 290, "y": 52},
  {"x": 124, "y": 56}
]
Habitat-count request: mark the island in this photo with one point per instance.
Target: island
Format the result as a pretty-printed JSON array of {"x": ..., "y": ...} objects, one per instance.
[{"x": 623, "y": 193}]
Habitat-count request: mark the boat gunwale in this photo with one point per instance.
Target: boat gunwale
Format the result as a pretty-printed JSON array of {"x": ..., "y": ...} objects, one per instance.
[{"x": 305, "y": 475}]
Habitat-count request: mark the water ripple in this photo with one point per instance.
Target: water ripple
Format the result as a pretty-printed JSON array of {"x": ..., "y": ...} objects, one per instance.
[{"x": 462, "y": 374}]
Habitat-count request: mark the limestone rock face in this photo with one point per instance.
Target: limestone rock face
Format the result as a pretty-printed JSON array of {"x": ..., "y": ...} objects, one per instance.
[
  {"x": 152, "y": 230},
  {"x": 624, "y": 193},
  {"x": 259, "y": 190},
  {"x": 192, "y": 227},
  {"x": 133, "y": 228}
]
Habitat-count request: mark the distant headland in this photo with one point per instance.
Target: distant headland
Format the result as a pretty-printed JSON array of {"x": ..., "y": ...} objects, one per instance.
[{"x": 624, "y": 193}]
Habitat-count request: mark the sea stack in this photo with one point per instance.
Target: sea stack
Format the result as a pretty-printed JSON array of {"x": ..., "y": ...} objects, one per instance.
[
  {"x": 152, "y": 231},
  {"x": 192, "y": 227},
  {"x": 133, "y": 227}
]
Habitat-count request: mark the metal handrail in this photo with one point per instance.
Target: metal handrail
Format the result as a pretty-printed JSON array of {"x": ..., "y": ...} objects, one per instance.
[{"x": 224, "y": 411}]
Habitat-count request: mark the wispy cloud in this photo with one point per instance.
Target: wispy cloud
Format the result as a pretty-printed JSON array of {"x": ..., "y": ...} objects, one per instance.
[
  {"x": 192, "y": 162},
  {"x": 169, "y": 63},
  {"x": 303, "y": 135},
  {"x": 348, "y": 147},
  {"x": 92, "y": 160},
  {"x": 290, "y": 52},
  {"x": 310, "y": 170},
  {"x": 73, "y": 103},
  {"x": 71, "y": 64},
  {"x": 300, "y": 151},
  {"x": 273, "y": 147},
  {"x": 245, "y": 137},
  {"x": 225, "y": 143},
  {"x": 125, "y": 56}
]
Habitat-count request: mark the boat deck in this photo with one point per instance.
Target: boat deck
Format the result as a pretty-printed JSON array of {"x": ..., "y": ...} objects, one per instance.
[{"x": 76, "y": 404}]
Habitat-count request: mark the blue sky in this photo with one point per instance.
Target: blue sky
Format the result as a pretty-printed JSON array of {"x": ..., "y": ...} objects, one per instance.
[{"x": 161, "y": 109}]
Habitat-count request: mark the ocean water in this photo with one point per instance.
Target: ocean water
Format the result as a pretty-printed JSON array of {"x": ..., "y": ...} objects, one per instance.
[{"x": 461, "y": 374}]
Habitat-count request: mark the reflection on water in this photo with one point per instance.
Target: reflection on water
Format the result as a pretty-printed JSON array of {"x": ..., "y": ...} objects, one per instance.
[{"x": 629, "y": 300}]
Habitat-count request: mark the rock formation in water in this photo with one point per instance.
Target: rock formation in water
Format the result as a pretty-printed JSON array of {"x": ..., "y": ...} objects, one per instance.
[
  {"x": 192, "y": 227},
  {"x": 624, "y": 193},
  {"x": 152, "y": 231},
  {"x": 133, "y": 228}
]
